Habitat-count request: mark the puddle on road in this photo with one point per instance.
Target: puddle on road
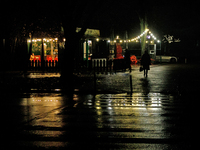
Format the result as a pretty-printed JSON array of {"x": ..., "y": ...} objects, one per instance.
[
  {"x": 139, "y": 112},
  {"x": 123, "y": 115}
]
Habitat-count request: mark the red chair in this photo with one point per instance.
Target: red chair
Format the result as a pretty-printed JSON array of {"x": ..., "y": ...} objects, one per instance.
[
  {"x": 37, "y": 57},
  {"x": 49, "y": 58},
  {"x": 133, "y": 60},
  {"x": 55, "y": 59}
]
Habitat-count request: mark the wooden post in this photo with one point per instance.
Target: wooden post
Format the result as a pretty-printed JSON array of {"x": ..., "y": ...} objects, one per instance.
[
  {"x": 36, "y": 64},
  {"x": 97, "y": 66},
  {"x": 131, "y": 84},
  {"x": 95, "y": 82},
  {"x": 101, "y": 67},
  {"x": 104, "y": 65}
]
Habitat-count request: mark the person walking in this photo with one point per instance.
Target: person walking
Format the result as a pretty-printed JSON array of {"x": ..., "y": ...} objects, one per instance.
[{"x": 145, "y": 62}]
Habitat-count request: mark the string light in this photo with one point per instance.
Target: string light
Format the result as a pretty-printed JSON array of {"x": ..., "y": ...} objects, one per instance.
[
  {"x": 46, "y": 40},
  {"x": 147, "y": 31}
]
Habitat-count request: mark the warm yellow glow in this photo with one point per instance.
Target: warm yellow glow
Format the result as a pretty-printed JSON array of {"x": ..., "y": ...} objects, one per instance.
[
  {"x": 64, "y": 39},
  {"x": 120, "y": 41},
  {"x": 56, "y": 39},
  {"x": 97, "y": 39},
  {"x": 114, "y": 41},
  {"x": 143, "y": 34},
  {"x": 117, "y": 37}
]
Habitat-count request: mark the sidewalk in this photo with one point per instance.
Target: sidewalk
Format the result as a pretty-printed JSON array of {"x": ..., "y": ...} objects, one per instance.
[
  {"x": 154, "y": 116},
  {"x": 169, "y": 78}
]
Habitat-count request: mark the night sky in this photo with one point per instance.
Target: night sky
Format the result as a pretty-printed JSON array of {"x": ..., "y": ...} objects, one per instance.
[{"x": 179, "y": 19}]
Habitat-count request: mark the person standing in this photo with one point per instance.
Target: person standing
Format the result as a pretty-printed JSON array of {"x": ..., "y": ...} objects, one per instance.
[
  {"x": 127, "y": 59},
  {"x": 145, "y": 62}
]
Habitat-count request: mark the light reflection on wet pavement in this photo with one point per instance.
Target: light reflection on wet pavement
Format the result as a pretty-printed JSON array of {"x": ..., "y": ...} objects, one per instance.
[
  {"x": 118, "y": 121},
  {"x": 155, "y": 116}
]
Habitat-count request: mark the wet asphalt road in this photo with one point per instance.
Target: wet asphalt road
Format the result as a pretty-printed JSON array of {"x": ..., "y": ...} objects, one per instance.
[{"x": 160, "y": 114}]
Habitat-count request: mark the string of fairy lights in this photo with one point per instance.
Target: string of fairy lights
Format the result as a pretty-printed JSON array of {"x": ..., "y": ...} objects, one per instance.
[
  {"x": 45, "y": 40},
  {"x": 147, "y": 32}
]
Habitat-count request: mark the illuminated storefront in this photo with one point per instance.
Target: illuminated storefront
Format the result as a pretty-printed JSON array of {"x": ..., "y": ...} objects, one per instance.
[
  {"x": 50, "y": 46},
  {"x": 50, "y": 49}
]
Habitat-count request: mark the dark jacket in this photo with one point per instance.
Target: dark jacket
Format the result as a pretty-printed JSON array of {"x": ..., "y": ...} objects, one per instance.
[{"x": 146, "y": 61}]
